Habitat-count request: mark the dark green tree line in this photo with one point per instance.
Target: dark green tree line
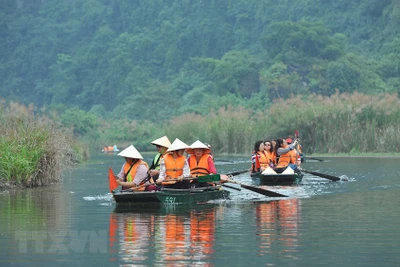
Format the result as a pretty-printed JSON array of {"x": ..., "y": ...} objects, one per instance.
[{"x": 151, "y": 60}]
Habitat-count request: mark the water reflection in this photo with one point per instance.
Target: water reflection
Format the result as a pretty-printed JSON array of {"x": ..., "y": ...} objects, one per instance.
[
  {"x": 171, "y": 236},
  {"x": 35, "y": 209},
  {"x": 278, "y": 224}
]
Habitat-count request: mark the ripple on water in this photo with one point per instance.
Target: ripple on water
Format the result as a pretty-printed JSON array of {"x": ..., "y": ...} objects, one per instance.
[{"x": 108, "y": 196}]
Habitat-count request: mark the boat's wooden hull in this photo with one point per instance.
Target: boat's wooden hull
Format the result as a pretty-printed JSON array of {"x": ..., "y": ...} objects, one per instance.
[
  {"x": 171, "y": 196},
  {"x": 136, "y": 197},
  {"x": 277, "y": 179},
  {"x": 191, "y": 196}
]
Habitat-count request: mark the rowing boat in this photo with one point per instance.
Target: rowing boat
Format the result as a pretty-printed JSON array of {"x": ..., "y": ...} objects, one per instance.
[
  {"x": 277, "y": 178},
  {"x": 175, "y": 196},
  {"x": 172, "y": 196}
]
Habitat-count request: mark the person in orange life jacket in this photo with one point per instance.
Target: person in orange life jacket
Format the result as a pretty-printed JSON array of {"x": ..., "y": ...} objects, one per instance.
[
  {"x": 269, "y": 151},
  {"x": 259, "y": 160},
  {"x": 287, "y": 156},
  {"x": 200, "y": 162},
  {"x": 289, "y": 141},
  {"x": 298, "y": 149},
  {"x": 134, "y": 171},
  {"x": 162, "y": 144},
  {"x": 174, "y": 167}
]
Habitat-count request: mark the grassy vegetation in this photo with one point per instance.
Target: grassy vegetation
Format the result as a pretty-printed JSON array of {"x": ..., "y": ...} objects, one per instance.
[
  {"x": 33, "y": 150},
  {"x": 342, "y": 123}
]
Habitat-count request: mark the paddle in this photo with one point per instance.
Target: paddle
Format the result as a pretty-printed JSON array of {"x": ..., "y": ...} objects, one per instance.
[
  {"x": 236, "y": 172},
  {"x": 233, "y": 174},
  {"x": 321, "y": 160},
  {"x": 322, "y": 175},
  {"x": 257, "y": 189},
  {"x": 232, "y": 187},
  {"x": 201, "y": 179}
]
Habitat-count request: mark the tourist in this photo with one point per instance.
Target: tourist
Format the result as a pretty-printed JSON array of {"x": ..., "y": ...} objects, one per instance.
[
  {"x": 259, "y": 160},
  {"x": 287, "y": 156},
  {"x": 174, "y": 168},
  {"x": 133, "y": 174},
  {"x": 270, "y": 153},
  {"x": 200, "y": 162},
  {"x": 162, "y": 144}
]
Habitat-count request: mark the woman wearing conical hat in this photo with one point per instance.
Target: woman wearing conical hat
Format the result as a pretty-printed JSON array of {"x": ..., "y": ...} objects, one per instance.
[
  {"x": 200, "y": 162},
  {"x": 162, "y": 144},
  {"x": 174, "y": 167},
  {"x": 133, "y": 173}
]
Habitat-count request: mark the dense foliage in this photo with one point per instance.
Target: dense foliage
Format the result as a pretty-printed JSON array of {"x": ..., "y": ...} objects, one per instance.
[
  {"x": 122, "y": 70},
  {"x": 156, "y": 59}
]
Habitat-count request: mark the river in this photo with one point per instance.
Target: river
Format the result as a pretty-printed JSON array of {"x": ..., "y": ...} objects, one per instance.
[{"x": 321, "y": 223}]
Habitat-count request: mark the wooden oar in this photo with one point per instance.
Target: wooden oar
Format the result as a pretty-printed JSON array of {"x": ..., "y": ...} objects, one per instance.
[
  {"x": 237, "y": 172},
  {"x": 322, "y": 175},
  {"x": 232, "y": 187},
  {"x": 201, "y": 179},
  {"x": 257, "y": 189},
  {"x": 321, "y": 160}
]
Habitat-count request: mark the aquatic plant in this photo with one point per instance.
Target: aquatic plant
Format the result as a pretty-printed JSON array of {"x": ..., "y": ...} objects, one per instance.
[{"x": 34, "y": 150}]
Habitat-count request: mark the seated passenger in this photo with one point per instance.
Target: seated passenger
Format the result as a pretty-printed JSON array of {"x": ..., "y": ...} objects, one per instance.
[
  {"x": 200, "y": 162},
  {"x": 133, "y": 174},
  {"x": 259, "y": 160},
  {"x": 174, "y": 168},
  {"x": 162, "y": 144},
  {"x": 270, "y": 153},
  {"x": 287, "y": 156}
]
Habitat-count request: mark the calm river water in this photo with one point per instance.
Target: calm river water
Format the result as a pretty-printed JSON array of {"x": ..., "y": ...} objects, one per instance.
[{"x": 322, "y": 223}]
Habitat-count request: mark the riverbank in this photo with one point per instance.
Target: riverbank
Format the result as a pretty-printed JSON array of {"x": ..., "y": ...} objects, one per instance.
[{"x": 6, "y": 185}]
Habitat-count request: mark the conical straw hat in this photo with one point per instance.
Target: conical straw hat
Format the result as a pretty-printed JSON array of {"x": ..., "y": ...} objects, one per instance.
[
  {"x": 177, "y": 145},
  {"x": 130, "y": 152},
  {"x": 162, "y": 141},
  {"x": 198, "y": 144}
]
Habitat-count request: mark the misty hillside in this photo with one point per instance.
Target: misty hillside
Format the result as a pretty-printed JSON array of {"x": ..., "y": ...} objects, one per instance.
[{"x": 160, "y": 58}]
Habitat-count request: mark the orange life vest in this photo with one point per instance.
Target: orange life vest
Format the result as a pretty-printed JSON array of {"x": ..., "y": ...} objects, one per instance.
[
  {"x": 263, "y": 159},
  {"x": 199, "y": 168},
  {"x": 272, "y": 157},
  {"x": 173, "y": 168},
  {"x": 132, "y": 172},
  {"x": 288, "y": 157}
]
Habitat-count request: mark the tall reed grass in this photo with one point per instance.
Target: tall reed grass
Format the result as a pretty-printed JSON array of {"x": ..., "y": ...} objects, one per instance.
[
  {"x": 33, "y": 150},
  {"x": 342, "y": 123},
  {"x": 228, "y": 130}
]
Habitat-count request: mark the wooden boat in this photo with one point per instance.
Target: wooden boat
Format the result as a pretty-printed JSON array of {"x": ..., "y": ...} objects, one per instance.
[
  {"x": 191, "y": 195},
  {"x": 171, "y": 196},
  {"x": 110, "y": 149},
  {"x": 130, "y": 196},
  {"x": 175, "y": 196},
  {"x": 276, "y": 179}
]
